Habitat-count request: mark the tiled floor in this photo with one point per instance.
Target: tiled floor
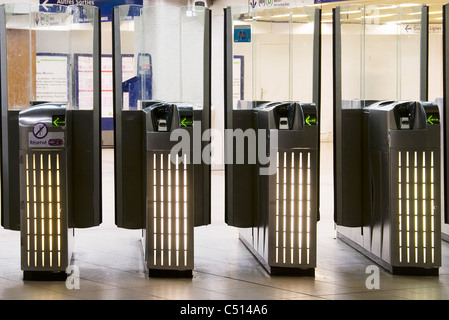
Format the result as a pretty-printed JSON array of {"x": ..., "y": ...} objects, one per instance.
[{"x": 111, "y": 263}]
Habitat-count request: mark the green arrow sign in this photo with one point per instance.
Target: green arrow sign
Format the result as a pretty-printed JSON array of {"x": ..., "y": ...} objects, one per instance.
[
  {"x": 432, "y": 120},
  {"x": 186, "y": 122},
  {"x": 310, "y": 121},
  {"x": 58, "y": 121}
]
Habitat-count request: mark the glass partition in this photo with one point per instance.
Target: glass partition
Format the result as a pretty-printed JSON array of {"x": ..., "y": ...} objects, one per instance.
[
  {"x": 383, "y": 51},
  {"x": 162, "y": 49},
  {"x": 273, "y": 54},
  {"x": 53, "y": 58},
  {"x": 21, "y": 89},
  {"x": 49, "y": 48},
  {"x": 129, "y": 85},
  {"x": 173, "y": 40},
  {"x": 351, "y": 48},
  {"x": 85, "y": 54}
]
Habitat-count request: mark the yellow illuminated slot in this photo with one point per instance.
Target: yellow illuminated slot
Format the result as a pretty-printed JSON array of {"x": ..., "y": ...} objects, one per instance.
[
  {"x": 42, "y": 169},
  {"x": 154, "y": 169},
  {"x": 432, "y": 222},
  {"x": 154, "y": 212},
  {"x": 400, "y": 203},
  {"x": 26, "y": 167},
  {"x": 155, "y": 229}
]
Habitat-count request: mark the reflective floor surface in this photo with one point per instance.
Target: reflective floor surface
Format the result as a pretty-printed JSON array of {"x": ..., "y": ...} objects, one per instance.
[{"x": 111, "y": 265}]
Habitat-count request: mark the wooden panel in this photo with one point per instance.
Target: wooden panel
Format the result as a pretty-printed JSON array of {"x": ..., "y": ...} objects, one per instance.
[{"x": 21, "y": 60}]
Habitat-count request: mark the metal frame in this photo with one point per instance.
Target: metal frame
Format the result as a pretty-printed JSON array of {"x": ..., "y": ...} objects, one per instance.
[{"x": 445, "y": 117}]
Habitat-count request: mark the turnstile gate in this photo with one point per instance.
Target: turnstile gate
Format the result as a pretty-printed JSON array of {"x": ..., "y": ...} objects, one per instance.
[
  {"x": 51, "y": 151},
  {"x": 387, "y": 170},
  {"x": 272, "y": 156},
  {"x": 162, "y": 179}
]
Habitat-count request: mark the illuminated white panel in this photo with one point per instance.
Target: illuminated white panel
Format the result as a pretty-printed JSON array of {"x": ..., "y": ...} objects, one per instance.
[
  {"x": 42, "y": 225},
  {"x": 416, "y": 241},
  {"x": 293, "y": 228},
  {"x": 170, "y": 197}
]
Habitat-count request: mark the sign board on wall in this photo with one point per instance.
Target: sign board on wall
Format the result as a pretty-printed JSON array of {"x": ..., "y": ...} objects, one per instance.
[
  {"x": 84, "y": 92},
  {"x": 51, "y": 77},
  {"x": 105, "y": 6},
  {"x": 277, "y": 3},
  {"x": 237, "y": 79},
  {"x": 285, "y": 3}
]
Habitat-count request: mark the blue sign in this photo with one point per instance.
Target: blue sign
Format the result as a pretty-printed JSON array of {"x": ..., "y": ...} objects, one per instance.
[
  {"x": 242, "y": 33},
  {"x": 105, "y": 6}
]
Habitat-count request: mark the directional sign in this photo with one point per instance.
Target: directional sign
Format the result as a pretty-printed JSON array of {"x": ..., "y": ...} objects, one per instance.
[
  {"x": 105, "y": 6},
  {"x": 310, "y": 120},
  {"x": 432, "y": 119},
  {"x": 58, "y": 120},
  {"x": 186, "y": 121}
]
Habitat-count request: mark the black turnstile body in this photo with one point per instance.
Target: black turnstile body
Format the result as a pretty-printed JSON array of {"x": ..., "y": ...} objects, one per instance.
[
  {"x": 278, "y": 224},
  {"x": 388, "y": 183},
  {"x": 387, "y": 166}
]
